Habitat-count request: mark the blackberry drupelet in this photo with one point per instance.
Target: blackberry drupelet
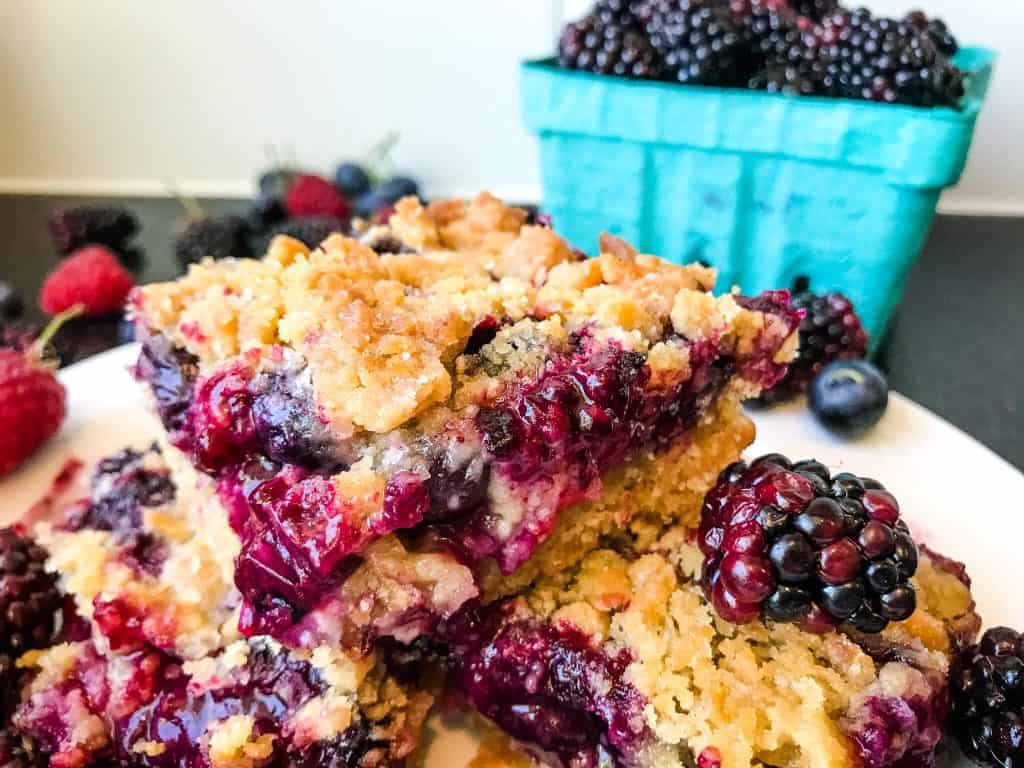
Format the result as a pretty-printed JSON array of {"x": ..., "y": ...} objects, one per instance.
[
  {"x": 700, "y": 41},
  {"x": 623, "y": 13},
  {"x": 790, "y": 79},
  {"x": 591, "y": 45},
  {"x": 881, "y": 59},
  {"x": 829, "y": 331},
  {"x": 815, "y": 9},
  {"x": 221, "y": 237},
  {"x": 792, "y": 543},
  {"x": 29, "y": 596},
  {"x": 936, "y": 29},
  {"x": 987, "y": 687},
  {"x": 111, "y": 226}
]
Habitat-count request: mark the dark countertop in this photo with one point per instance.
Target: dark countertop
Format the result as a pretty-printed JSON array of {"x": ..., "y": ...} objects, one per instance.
[{"x": 954, "y": 347}]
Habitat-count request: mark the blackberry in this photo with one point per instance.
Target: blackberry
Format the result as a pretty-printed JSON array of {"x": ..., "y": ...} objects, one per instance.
[
  {"x": 310, "y": 230},
  {"x": 790, "y": 79},
  {"x": 829, "y": 331},
  {"x": 815, "y": 9},
  {"x": 881, "y": 59},
  {"x": 792, "y": 543},
  {"x": 219, "y": 237},
  {"x": 591, "y": 45},
  {"x": 987, "y": 687},
  {"x": 936, "y": 29},
  {"x": 265, "y": 212},
  {"x": 29, "y": 596},
  {"x": 112, "y": 226},
  {"x": 18, "y": 752},
  {"x": 623, "y": 13},
  {"x": 700, "y": 42}
]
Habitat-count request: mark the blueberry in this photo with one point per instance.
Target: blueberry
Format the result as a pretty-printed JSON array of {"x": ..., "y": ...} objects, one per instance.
[
  {"x": 849, "y": 397},
  {"x": 11, "y": 303},
  {"x": 398, "y": 187},
  {"x": 351, "y": 180},
  {"x": 275, "y": 182},
  {"x": 370, "y": 202}
]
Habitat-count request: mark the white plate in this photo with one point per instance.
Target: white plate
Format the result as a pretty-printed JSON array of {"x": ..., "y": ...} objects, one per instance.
[{"x": 957, "y": 495}]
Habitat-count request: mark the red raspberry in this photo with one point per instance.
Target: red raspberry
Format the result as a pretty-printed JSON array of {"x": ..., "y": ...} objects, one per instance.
[
  {"x": 91, "y": 277},
  {"x": 31, "y": 401},
  {"x": 311, "y": 195}
]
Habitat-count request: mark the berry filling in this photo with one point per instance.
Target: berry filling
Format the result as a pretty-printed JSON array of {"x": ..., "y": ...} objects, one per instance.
[
  {"x": 547, "y": 685},
  {"x": 790, "y": 542},
  {"x": 544, "y": 445}
]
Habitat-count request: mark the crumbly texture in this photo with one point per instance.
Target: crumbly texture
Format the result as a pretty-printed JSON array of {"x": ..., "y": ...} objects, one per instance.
[
  {"x": 653, "y": 491},
  {"x": 83, "y": 706},
  {"x": 758, "y": 694},
  {"x": 187, "y": 604},
  {"x": 381, "y": 332}
]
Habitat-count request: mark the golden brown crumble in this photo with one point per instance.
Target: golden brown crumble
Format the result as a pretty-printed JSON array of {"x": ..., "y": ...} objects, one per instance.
[{"x": 381, "y": 333}]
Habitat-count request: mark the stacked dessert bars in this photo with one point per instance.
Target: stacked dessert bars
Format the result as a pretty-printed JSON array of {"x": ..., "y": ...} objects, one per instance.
[{"x": 448, "y": 454}]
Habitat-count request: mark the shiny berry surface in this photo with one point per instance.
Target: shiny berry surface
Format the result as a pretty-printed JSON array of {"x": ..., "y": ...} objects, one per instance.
[
  {"x": 987, "y": 686},
  {"x": 849, "y": 397},
  {"x": 790, "y": 542}
]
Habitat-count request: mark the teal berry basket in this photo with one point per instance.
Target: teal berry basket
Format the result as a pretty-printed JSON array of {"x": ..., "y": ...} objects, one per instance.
[{"x": 769, "y": 189}]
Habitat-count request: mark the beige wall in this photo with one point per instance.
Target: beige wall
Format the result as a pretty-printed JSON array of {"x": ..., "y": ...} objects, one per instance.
[{"x": 122, "y": 95}]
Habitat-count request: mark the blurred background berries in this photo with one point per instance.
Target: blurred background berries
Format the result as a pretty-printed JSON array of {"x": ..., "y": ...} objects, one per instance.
[{"x": 796, "y": 47}]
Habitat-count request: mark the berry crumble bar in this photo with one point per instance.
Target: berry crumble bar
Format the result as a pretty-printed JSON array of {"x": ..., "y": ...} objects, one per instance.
[
  {"x": 623, "y": 661},
  {"x": 480, "y": 395}
]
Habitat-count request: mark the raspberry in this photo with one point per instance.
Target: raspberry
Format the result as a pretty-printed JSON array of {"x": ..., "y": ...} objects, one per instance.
[
  {"x": 29, "y": 596},
  {"x": 220, "y": 237},
  {"x": 311, "y": 195},
  {"x": 593, "y": 45},
  {"x": 829, "y": 331},
  {"x": 32, "y": 403},
  {"x": 700, "y": 42},
  {"x": 789, "y": 542},
  {"x": 987, "y": 683},
  {"x": 92, "y": 277},
  {"x": 311, "y": 230},
  {"x": 73, "y": 228}
]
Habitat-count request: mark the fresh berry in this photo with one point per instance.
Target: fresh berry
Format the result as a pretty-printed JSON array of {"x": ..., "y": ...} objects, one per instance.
[
  {"x": 936, "y": 29},
  {"x": 815, "y": 9},
  {"x": 829, "y": 331},
  {"x": 29, "y": 596},
  {"x": 274, "y": 184},
  {"x": 881, "y": 59},
  {"x": 849, "y": 397},
  {"x": 987, "y": 687},
  {"x": 792, "y": 543},
  {"x": 91, "y": 277},
  {"x": 700, "y": 41},
  {"x": 265, "y": 212},
  {"x": 352, "y": 180},
  {"x": 595, "y": 45},
  {"x": 313, "y": 195},
  {"x": 372, "y": 203},
  {"x": 311, "y": 230},
  {"x": 790, "y": 79},
  {"x": 216, "y": 237},
  {"x": 11, "y": 304},
  {"x": 73, "y": 228},
  {"x": 32, "y": 403},
  {"x": 625, "y": 13}
]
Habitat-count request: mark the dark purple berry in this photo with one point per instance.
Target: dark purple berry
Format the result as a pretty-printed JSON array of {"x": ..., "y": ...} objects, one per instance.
[
  {"x": 221, "y": 237},
  {"x": 29, "y": 595},
  {"x": 792, "y": 543},
  {"x": 265, "y": 212},
  {"x": 988, "y": 708},
  {"x": 699, "y": 42},
  {"x": 793, "y": 558},
  {"x": 606, "y": 46},
  {"x": 829, "y": 331},
  {"x": 309, "y": 230},
  {"x": 111, "y": 226},
  {"x": 11, "y": 303}
]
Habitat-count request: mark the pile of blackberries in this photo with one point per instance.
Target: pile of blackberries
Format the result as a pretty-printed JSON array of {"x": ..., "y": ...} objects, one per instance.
[{"x": 797, "y": 47}]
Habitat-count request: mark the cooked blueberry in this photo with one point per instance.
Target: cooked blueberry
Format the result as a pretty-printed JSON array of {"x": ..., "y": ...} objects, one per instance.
[
  {"x": 849, "y": 397},
  {"x": 457, "y": 491}
]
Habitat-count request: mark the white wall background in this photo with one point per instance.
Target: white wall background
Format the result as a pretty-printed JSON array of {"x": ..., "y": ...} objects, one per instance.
[{"x": 121, "y": 95}]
